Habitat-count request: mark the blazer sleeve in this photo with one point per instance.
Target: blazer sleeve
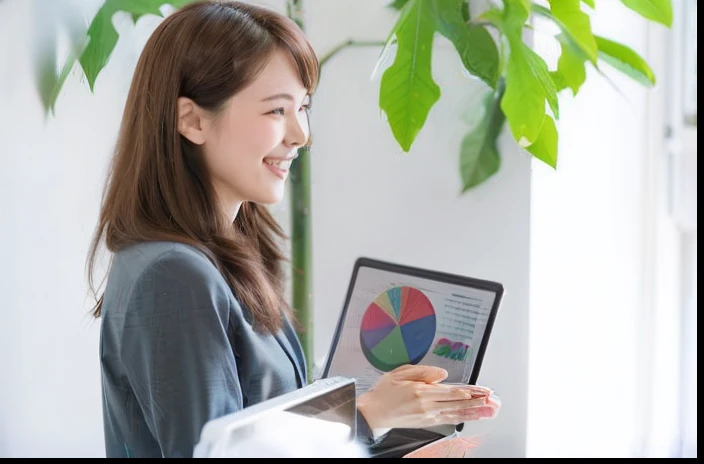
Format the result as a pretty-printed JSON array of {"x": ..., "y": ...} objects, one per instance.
[{"x": 176, "y": 350}]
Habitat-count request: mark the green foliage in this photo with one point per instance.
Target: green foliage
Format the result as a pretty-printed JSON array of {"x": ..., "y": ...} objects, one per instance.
[
  {"x": 94, "y": 49},
  {"x": 655, "y": 10},
  {"x": 521, "y": 90},
  {"x": 529, "y": 101},
  {"x": 102, "y": 36},
  {"x": 408, "y": 87},
  {"x": 479, "y": 156}
]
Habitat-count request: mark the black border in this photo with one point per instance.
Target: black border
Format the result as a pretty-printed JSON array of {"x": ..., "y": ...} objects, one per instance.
[{"x": 425, "y": 274}]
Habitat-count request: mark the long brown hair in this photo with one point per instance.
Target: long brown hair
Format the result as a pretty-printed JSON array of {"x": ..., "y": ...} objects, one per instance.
[{"x": 158, "y": 188}]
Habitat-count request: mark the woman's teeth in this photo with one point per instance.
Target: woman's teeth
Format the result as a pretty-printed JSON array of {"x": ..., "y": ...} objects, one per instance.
[{"x": 280, "y": 164}]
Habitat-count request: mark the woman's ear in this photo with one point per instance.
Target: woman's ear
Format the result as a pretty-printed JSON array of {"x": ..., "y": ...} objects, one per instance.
[{"x": 190, "y": 120}]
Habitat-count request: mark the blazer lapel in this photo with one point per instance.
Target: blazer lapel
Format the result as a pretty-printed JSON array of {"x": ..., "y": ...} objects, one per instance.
[{"x": 289, "y": 342}]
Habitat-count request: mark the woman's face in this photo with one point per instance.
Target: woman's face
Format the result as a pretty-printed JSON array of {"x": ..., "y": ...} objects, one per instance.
[{"x": 250, "y": 144}]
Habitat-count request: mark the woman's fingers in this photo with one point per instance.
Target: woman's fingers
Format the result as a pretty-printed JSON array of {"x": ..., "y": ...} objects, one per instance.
[
  {"x": 466, "y": 415},
  {"x": 483, "y": 412},
  {"x": 442, "y": 392},
  {"x": 459, "y": 405},
  {"x": 426, "y": 374}
]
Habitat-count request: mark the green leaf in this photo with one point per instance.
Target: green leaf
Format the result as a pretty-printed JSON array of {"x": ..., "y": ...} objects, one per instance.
[
  {"x": 479, "y": 156},
  {"x": 63, "y": 75},
  {"x": 625, "y": 60},
  {"x": 576, "y": 24},
  {"x": 408, "y": 91},
  {"x": 590, "y": 3},
  {"x": 545, "y": 147},
  {"x": 474, "y": 44},
  {"x": 559, "y": 80},
  {"x": 528, "y": 85},
  {"x": 515, "y": 16},
  {"x": 103, "y": 36},
  {"x": 655, "y": 10},
  {"x": 397, "y": 4},
  {"x": 570, "y": 67},
  {"x": 586, "y": 48},
  {"x": 528, "y": 82},
  {"x": 525, "y": 4},
  {"x": 49, "y": 82}
]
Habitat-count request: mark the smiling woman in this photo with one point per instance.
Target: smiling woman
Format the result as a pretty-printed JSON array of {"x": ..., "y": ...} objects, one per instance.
[{"x": 194, "y": 320}]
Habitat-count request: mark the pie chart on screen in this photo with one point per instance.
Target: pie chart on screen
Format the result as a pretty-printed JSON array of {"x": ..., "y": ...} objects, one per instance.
[{"x": 398, "y": 328}]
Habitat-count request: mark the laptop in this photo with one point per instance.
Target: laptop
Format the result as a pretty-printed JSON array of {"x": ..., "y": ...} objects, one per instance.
[{"x": 396, "y": 314}]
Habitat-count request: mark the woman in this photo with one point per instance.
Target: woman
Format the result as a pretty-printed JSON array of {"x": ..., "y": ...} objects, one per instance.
[{"x": 194, "y": 320}]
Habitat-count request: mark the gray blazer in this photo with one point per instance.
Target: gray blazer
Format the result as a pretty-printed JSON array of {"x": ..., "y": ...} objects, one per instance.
[{"x": 177, "y": 350}]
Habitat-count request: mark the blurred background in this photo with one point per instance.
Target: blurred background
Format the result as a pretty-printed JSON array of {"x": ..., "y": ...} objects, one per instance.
[{"x": 593, "y": 351}]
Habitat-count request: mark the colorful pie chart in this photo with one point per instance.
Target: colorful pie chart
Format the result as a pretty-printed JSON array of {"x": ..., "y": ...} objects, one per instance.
[{"x": 397, "y": 328}]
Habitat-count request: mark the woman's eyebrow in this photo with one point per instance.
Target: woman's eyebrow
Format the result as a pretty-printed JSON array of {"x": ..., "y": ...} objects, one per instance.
[
  {"x": 279, "y": 96},
  {"x": 284, "y": 96}
]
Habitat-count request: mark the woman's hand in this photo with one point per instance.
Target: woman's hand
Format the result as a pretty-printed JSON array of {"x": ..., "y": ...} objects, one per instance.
[{"x": 412, "y": 397}]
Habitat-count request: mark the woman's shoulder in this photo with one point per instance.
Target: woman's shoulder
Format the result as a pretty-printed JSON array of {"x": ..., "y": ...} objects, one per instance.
[{"x": 169, "y": 260}]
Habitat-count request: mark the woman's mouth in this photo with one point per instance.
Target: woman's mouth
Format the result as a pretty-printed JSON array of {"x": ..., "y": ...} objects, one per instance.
[{"x": 278, "y": 167}]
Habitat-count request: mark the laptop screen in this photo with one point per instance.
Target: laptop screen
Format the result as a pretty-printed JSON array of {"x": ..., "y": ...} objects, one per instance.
[{"x": 395, "y": 315}]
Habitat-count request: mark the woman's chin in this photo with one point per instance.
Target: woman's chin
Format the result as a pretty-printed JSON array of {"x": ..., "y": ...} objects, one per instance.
[{"x": 270, "y": 198}]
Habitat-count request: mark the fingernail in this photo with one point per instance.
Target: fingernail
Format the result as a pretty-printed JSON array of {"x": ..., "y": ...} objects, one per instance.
[{"x": 463, "y": 391}]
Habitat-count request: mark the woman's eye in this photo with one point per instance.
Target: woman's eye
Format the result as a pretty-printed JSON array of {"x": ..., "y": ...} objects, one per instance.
[
  {"x": 278, "y": 111},
  {"x": 305, "y": 108}
]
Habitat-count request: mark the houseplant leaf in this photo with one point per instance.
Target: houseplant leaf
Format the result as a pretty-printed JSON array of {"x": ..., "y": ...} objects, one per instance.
[
  {"x": 102, "y": 36},
  {"x": 587, "y": 47},
  {"x": 473, "y": 43},
  {"x": 397, "y": 4},
  {"x": 655, "y": 10},
  {"x": 570, "y": 67},
  {"x": 479, "y": 156},
  {"x": 528, "y": 82},
  {"x": 625, "y": 60},
  {"x": 408, "y": 90},
  {"x": 545, "y": 147},
  {"x": 575, "y": 24}
]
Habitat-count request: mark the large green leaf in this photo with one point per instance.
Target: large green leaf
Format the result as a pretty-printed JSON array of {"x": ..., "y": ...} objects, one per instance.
[
  {"x": 408, "y": 91},
  {"x": 589, "y": 2},
  {"x": 655, "y": 10},
  {"x": 528, "y": 82},
  {"x": 479, "y": 156},
  {"x": 103, "y": 36},
  {"x": 528, "y": 85},
  {"x": 474, "y": 44},
  {"x": 570, "y": 67},
  {"x": 625, "y": 60},
  {"x": 545, "y": 147},
  {"x": 575, "y": 24}
]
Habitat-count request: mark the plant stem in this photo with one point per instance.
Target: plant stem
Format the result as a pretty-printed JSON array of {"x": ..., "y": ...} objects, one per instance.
[
  {"x": 349, "y": 43},
  {"x": 301, "y": 242},
  {"x": 301, "y": 252}
]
